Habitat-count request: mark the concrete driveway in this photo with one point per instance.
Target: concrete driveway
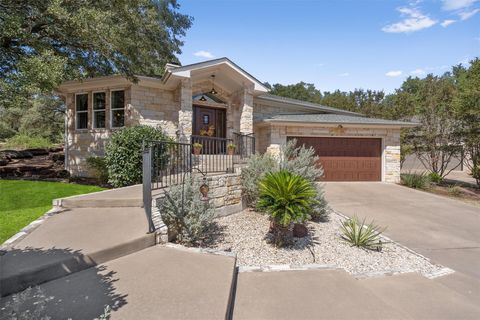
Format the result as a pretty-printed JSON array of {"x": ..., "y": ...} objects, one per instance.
[{"x": 445, "y": 230}]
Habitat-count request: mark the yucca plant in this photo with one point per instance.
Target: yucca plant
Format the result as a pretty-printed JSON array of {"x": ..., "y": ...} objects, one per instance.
[
  {"x": 287, "y": 198},
  {"x": 359, "y": 234}
]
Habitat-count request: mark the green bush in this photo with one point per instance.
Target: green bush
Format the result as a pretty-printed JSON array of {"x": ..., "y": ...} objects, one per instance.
[
  {"x": 415, "y": 180},
  {"x": 5, "y": 131},
  {"x": 297, "y": 160},
  {"x": 23, "y": 141},
  {"x": 191, "y": 224},
  {"x": 359, "y": 234},
  {"x": 123, "y": 154},
  {"x": 435, "y": 177},
  {"x": 301, "y": 161},
  {"x": 256, "y": 168},
  {"x": 287, "y": 198},
  {"x": 99, "y": 168}
]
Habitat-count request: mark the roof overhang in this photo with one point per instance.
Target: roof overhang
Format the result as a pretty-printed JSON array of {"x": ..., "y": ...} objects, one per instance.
[
  {"x": 282, "y": 102},
  {"x": 106, "y": 81},
  {"x": 227, "y": 73}
]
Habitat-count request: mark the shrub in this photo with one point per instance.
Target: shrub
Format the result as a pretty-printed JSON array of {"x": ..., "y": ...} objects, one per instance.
[
  {"x": 98, "y": 168},
  {"x": 23, "y": 141},
  {"x": 361, "y": 235},
  {"x": 287, "y": 198},
  {"x": 256, "y": 168},
  {"x": 415, "y": 180},
  {"x": 123, "y": 154},
  {"x": 454, "y": 191},
  {"x": 191, "y": 224},
  {"x": 301, "y": 161},
  {"x": 435, "y": 177},
  {"x": 320, "y": 210}
]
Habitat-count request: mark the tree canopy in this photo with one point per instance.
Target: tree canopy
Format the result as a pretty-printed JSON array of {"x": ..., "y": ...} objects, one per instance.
[{"x": 44, "y": 42}]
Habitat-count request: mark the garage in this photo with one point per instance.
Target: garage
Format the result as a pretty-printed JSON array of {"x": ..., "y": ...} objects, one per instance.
[{"x": 347, "y": 159}]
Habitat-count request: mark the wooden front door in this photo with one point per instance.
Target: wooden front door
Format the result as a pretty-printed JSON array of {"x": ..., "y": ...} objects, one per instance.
[
  {"x": 210, "y": 123},
  {"x": 347, "y": 159}
]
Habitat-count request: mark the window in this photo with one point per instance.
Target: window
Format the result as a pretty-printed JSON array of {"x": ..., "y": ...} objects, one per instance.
[
  {"x": 117, "y": 108},
  {"x": 99, "y": 104},
  {"x": 81, "y": 109}
]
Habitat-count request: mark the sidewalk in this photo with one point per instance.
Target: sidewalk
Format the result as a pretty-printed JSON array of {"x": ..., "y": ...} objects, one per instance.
[{"x": 154, "y": 283}]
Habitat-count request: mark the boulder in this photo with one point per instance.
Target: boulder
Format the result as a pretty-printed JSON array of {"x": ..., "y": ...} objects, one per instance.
[
  {"x": 38, "y": 151},
  {"x": 16, "y": 154}
]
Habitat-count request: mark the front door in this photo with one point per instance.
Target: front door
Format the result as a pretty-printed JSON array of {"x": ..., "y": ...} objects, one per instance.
[{"x": 210, "y": 123}]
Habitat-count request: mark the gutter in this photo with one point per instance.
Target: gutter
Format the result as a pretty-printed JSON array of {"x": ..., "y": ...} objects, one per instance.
[{"x": 333, "y": 124}]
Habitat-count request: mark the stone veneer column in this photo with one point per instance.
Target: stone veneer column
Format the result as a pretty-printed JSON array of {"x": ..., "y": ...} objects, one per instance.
[
  {"x": 185, "y": 114},
  {"x": 246, "y": 110},
  {"x": 392, "y": 156}
]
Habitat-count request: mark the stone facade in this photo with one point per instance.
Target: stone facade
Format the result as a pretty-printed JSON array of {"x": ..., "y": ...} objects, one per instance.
[
  {"x": 272, "y": 137},
  {"x": 226, "y": 193}
]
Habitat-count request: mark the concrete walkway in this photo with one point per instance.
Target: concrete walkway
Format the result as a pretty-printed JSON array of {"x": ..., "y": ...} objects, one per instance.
[
  {"x": 323, "y": 294},
  {"x": 443, "y": 229},
  {"x": 154, "y": 283},
  {"x": 72, "y": 241}
]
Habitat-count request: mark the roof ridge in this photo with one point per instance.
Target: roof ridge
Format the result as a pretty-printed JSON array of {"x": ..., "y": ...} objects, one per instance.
[{"x": 313, "y": 104}]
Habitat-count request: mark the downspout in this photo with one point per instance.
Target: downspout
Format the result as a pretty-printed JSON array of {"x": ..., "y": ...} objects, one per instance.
[{"x": 65, "y": 142}]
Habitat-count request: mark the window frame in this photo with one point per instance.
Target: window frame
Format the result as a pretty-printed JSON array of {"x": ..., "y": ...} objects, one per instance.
[
  {"x": 114, "y": 109},
  {"x": 94, "y": 111},
  {"x": 81, "y": 111}
]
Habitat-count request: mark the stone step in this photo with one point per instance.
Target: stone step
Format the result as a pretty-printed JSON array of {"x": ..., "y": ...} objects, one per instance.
[
  {"x": 72, "y": 241},
  {"x": 156, "y": 283}
]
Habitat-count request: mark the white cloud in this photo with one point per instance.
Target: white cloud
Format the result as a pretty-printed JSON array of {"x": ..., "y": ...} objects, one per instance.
[
  {"x": 447, "y": 22},
  {"x": 394, "y": 73},
  {"x": 418, "y": 72},
  {"x": 345, "y": 74},
  {"x": 204, "y": 54},
  {"x": 451, "y": 5},
  {"x": 414, "y": 20},
  {"x": 464, "y": 15}
]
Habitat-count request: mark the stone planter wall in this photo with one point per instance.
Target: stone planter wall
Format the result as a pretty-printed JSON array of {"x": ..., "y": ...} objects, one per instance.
[{"x": 226, "y": 193}]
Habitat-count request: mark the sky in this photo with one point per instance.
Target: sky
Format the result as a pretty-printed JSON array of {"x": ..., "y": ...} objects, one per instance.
[{"x": 334, "y": 44}]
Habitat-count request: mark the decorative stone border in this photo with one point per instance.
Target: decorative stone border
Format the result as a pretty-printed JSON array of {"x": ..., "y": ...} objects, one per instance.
[
  {"x": 201, "y": 250},
  {"x": 25, "y": 231}
]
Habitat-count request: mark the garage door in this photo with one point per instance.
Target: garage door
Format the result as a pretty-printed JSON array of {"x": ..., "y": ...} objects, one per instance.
[{"x": 347, "y": 159}]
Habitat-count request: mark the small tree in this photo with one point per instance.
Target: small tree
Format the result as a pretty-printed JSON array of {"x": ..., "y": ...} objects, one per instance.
[
  {"x": 467, "y": 107},
  {"x": 435, "y": 142}
]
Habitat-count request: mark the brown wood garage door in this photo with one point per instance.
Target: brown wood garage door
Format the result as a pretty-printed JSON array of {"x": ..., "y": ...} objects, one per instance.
[{"x": 347, "y": 159}]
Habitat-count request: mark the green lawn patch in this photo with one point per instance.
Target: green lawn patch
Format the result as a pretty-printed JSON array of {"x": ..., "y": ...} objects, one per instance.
[{"x": 22, "y": 201}]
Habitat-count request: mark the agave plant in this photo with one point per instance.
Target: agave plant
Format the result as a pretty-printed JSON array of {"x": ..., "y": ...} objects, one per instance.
[
  {"x": 286, "y": 197},
  {"x": 359, "y": 234}
]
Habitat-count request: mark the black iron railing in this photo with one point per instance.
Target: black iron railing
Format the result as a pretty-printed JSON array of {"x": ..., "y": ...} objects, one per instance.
[
  {"x": 211, "y": 154},
  {"x": 166, "y": 163},
  {"x": 245, "y": 144}
]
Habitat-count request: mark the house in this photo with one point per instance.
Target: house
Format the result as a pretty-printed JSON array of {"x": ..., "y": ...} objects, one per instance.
[{"x": 220, "y": 98}]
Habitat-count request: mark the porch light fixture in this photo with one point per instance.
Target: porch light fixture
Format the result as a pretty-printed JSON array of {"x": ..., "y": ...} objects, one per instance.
[
  {"x": 213, "y": 91},
  {"x": 202, "y": 98}
]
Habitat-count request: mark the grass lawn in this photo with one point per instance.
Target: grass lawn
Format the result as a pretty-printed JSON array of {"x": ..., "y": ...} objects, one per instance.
[{"x": 22, "y": 201}]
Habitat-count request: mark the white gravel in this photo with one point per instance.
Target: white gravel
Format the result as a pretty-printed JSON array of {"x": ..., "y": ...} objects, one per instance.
[{"x": 244, "y": 234}]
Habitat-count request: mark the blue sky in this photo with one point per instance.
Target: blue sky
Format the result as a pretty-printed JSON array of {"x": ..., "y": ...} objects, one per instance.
[{"x": 335, "y": 44}]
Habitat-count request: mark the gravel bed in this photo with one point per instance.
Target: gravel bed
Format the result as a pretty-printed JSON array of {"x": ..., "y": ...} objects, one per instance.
[{"x": 244, "y": 233}]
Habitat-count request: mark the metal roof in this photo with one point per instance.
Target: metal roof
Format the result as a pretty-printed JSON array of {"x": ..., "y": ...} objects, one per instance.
[
  {"x": 311, "y": 105},
  {"x": 336, "y": 119}
]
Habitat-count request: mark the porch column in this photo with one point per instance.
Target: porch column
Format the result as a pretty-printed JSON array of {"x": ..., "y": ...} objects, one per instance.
[
  {"x": 246, "y": 110},
  {"x": 185, "y": 114}
]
